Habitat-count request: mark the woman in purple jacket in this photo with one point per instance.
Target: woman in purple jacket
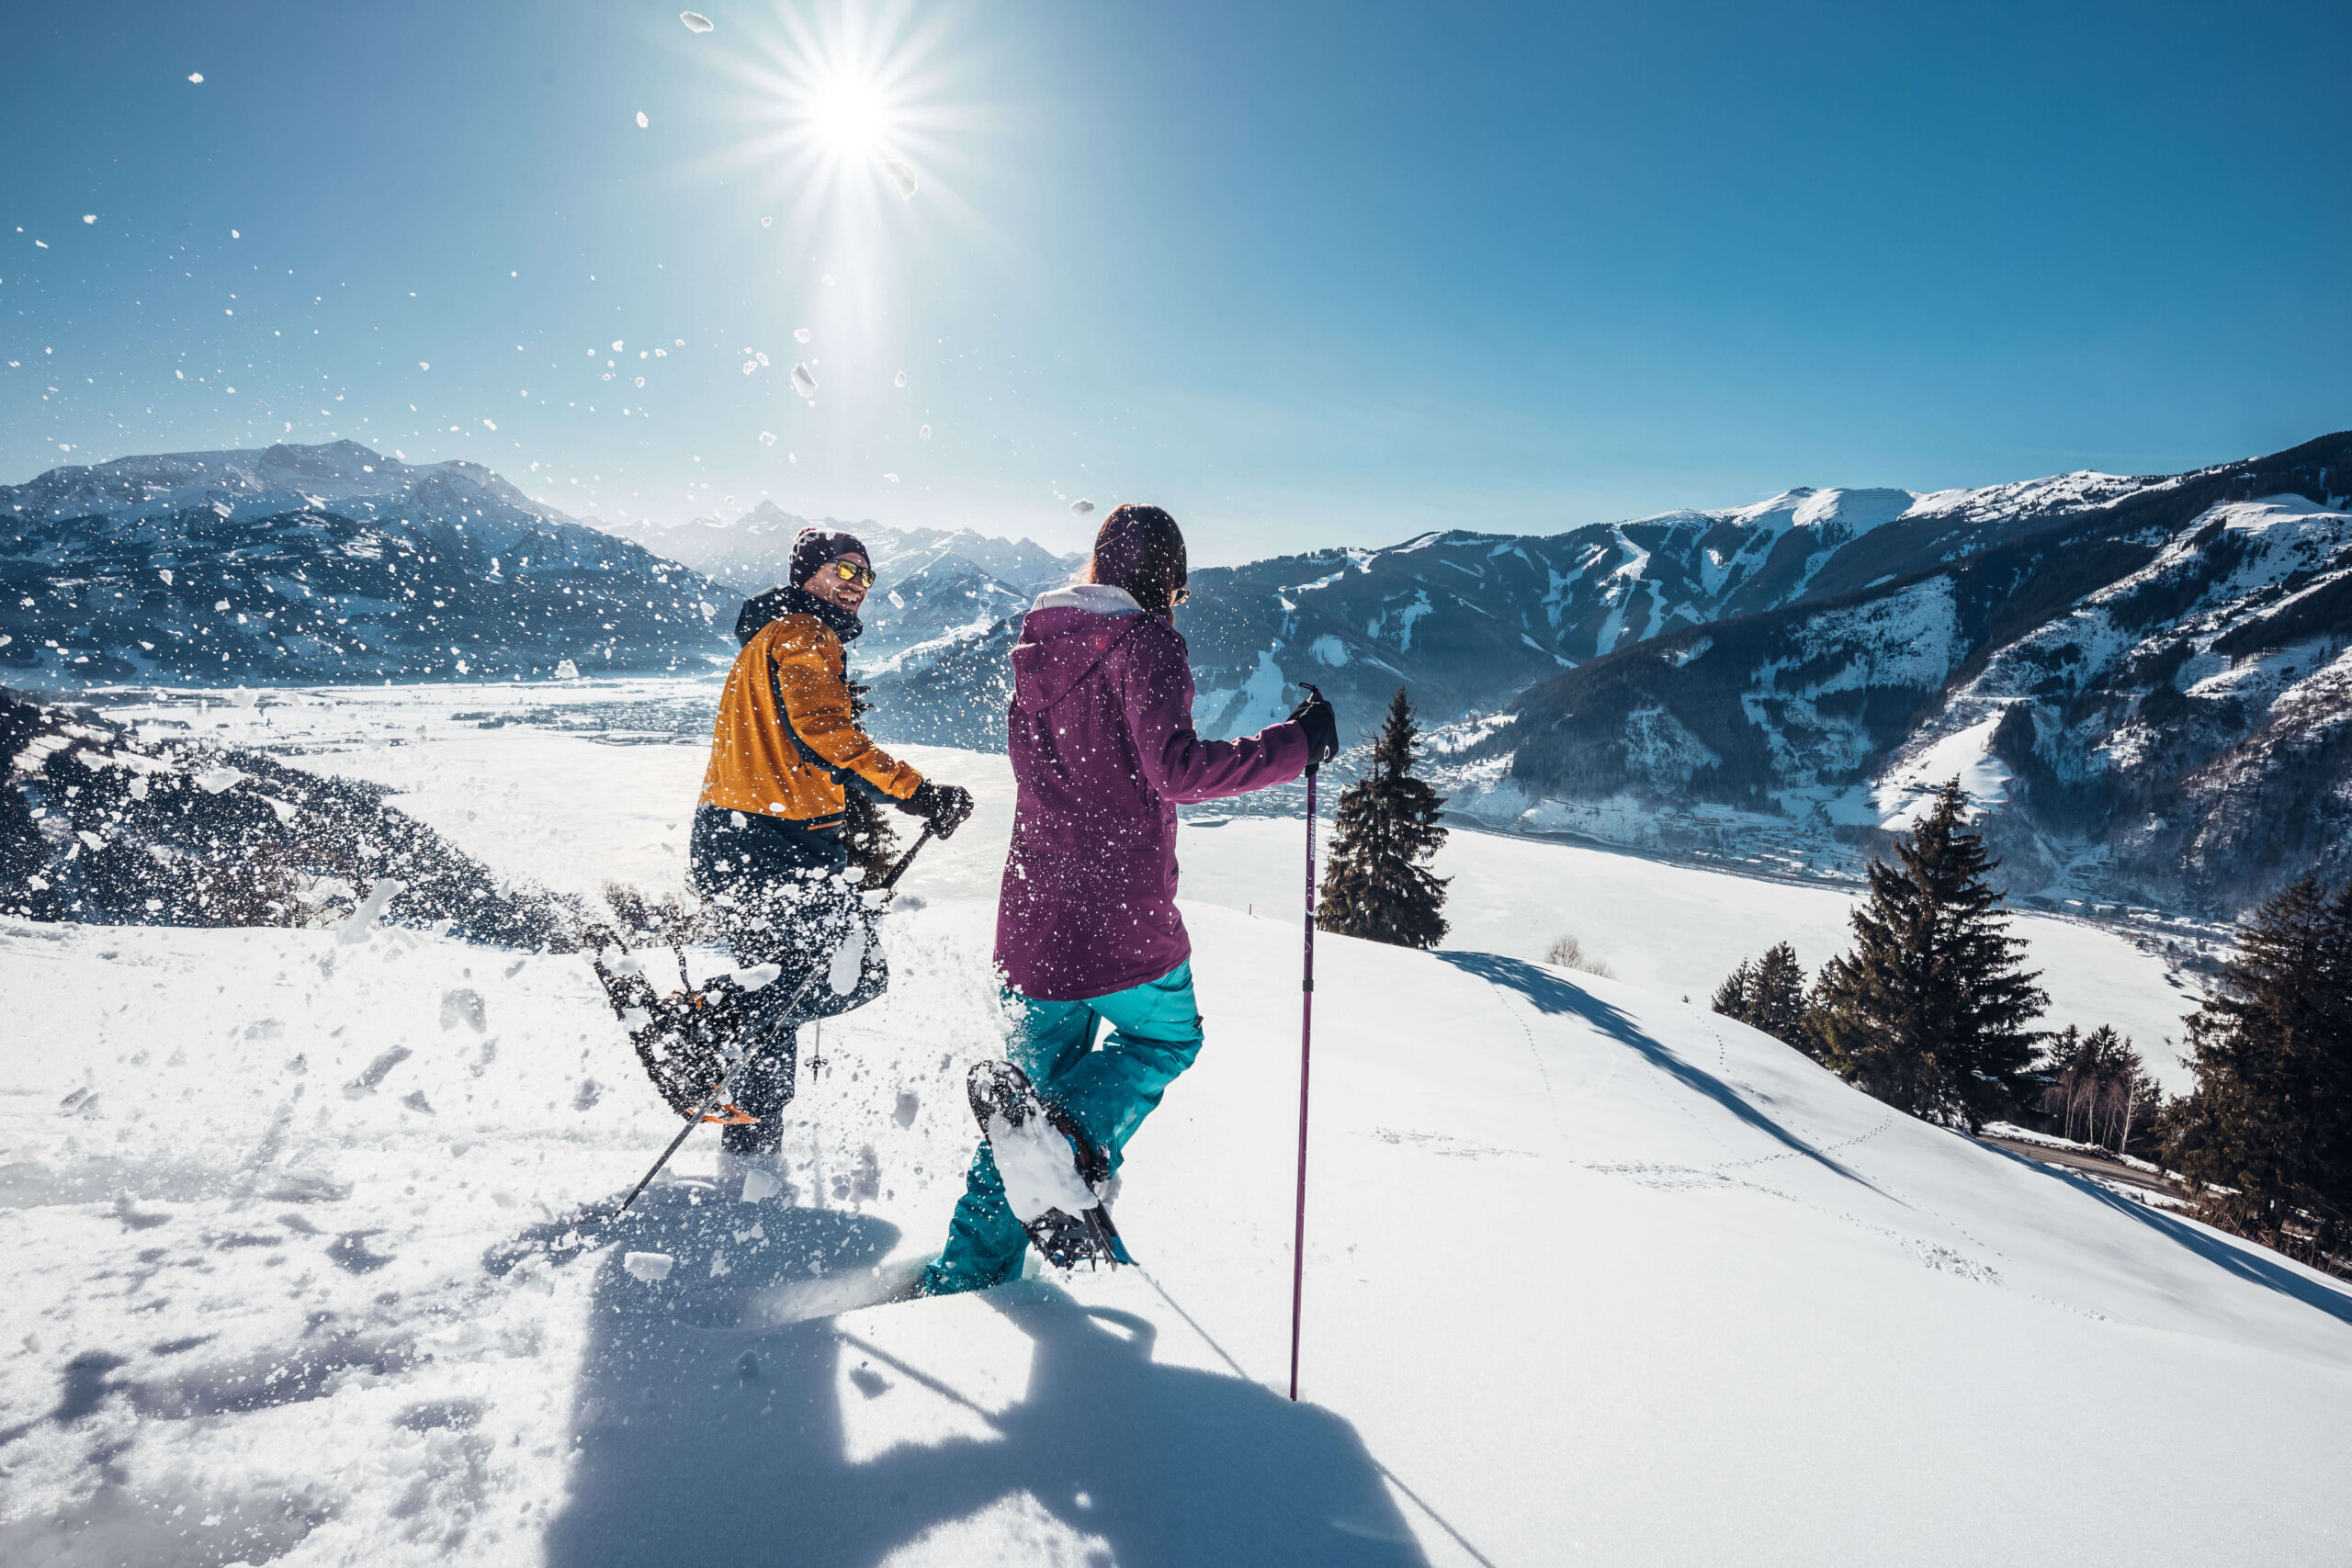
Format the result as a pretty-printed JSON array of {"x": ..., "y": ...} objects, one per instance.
[{"x": 1101, "y": 736}]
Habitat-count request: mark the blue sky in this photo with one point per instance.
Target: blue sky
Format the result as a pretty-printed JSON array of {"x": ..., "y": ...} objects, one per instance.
[{"x": 1306, "y": 275}]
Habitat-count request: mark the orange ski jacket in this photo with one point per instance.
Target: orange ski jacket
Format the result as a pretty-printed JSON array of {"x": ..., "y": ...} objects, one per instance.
[{"x": 785, "y": 743}]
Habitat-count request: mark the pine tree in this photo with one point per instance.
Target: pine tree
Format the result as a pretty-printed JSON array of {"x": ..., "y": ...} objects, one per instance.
[
  {"x": 1930, "y": 1010},
  {"x": 2271, "y": 1114},
  {"x": 1377, "y": 884},
  {"x": 1770, "y": 995},
  {"x": 866, "y": 834},
  {"x": 1736, "y": 996}
]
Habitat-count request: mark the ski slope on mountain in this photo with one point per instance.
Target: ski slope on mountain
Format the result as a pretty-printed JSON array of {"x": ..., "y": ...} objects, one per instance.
[{"x": 310, "y": 1272}]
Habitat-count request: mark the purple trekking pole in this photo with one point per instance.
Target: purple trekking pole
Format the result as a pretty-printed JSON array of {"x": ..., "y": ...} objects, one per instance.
[{"x": 1306, "y": 1049}]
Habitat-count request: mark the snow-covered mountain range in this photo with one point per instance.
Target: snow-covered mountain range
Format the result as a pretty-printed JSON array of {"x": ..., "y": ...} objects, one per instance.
[
  {"x": 2150, "y": 698},
  {"x": 937, "y": 583},
  {"x": 324, "y": 564},
  {"x": 2141, "y": 678},
  {"x": 1469, "y": 620}
]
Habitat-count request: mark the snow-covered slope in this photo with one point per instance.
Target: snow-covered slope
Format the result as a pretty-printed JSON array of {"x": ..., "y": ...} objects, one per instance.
[
  {"x": 573, "y": 787},
  {"x": 310, "y": 1272}
]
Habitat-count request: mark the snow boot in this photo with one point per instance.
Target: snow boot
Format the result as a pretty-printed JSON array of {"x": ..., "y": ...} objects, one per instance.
[
  {"x": 1054, "y": 1176},
  {"x": 685, "y": 1039}
]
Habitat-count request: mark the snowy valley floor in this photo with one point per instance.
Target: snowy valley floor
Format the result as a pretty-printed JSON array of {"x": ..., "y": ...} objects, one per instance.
[{"x": 306, "y": 1269}]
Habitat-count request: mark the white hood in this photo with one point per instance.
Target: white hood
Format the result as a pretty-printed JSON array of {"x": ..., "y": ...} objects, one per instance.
[{"x": 1101, "y": 598}]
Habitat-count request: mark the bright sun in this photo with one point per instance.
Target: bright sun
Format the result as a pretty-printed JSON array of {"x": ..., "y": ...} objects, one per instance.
[{"x": 851, "y": 116}]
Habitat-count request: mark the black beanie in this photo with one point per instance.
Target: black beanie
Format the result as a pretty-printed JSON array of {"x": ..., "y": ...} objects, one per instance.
[{"x": 813, "y": 548}]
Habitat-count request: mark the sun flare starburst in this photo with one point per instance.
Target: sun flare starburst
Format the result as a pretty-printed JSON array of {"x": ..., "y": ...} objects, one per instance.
[{"x": 852, "y": 117}]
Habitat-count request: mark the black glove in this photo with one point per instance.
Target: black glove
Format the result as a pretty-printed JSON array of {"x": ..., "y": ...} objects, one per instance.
[
  {"x": 1322, "y": 727},
  {"x": 945, "y": 806}
]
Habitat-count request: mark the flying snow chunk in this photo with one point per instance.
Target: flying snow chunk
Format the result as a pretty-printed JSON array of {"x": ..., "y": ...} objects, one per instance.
[
  {"x": 697, "y": 22},
  {"x": 647, "y": 1266},
  {"x": 565, "y": 669},
  {"x": 212, "y": 781},
  {"x": 1081, "y": 506},
  {"x": 901, "y": 379},
  {"x": 370, "y": 909},
  {"x": 760, "y": 1185},
  {"x": 800, "y": 334},
  {"x": 767, "y": 222},
  {"x": 1034, "y": 1162},
  {"x": 768, "y": 437},
  {"x": 421, "y": 365},
  {"x": 849, "y": 961},
  {"x": 616, "y": 345},
  {"x": 89, "y": 218},
  {"x": 493, "y": 424},
  {"x": 803, "y": 381},
  {"x": 924, "y": 432},
  {"x": 751, "y": 367},
  {"x": 197, "y": 76},
  {"x": 901, "y": 176},
  {"x": 892, "y": 478},
  {"x": 641, "y": 121}
]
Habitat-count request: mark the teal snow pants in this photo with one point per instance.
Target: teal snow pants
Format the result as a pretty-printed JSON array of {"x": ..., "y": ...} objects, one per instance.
[{"x": 1108, "y": 1089}]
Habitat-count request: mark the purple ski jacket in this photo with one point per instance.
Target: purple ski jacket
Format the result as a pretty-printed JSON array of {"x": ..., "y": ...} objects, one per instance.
[{"x": 1101, "y": 736}]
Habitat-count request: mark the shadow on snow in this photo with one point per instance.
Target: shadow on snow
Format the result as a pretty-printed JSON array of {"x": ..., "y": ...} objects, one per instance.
[
  {"x": 1552, "y": 993},
  {"x": 700, "y": 1433},
  {"x": 2240, "y": 1258}
]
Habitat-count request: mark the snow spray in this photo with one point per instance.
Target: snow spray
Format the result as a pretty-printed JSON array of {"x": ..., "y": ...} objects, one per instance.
[{"x": 717, "y": 1094}]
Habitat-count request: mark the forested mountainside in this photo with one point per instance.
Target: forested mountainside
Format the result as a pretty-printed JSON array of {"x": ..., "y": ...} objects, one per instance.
[
  {"x": 2150, "y": 697},
  {"x": 322, "y": 564},
  {"x": 1469, "y": 620}
]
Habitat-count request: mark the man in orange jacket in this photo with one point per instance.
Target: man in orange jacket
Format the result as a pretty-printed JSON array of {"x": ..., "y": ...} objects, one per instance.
[{"x": 767, "y": 853}]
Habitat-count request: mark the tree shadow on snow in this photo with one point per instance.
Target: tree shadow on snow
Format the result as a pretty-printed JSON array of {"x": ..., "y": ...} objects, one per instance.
[
  {"x": 1552, "y": 993},
  {"x": 701, "y": 1434},
  {"x": 2239, "y": 1259}
]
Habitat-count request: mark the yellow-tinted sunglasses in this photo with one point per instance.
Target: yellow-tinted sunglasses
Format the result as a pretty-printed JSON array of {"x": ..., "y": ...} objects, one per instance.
[{"x": 849, "y": 571}]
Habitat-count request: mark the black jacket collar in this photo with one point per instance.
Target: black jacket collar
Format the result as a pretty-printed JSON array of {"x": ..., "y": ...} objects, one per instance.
[{"x": 758, "y": 613}]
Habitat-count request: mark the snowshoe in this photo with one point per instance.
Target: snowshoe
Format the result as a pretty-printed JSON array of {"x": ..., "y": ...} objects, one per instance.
[
  {"x": 1054, "y": 1176},
  {"x": 684, "y": 1039}
]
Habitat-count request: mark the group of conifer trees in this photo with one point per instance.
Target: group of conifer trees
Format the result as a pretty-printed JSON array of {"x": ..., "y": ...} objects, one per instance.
[{"x": 1932, "y": 1012}]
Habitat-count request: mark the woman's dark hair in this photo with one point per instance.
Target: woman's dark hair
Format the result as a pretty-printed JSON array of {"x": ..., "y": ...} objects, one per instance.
[{"x": 1140, "y": 548}]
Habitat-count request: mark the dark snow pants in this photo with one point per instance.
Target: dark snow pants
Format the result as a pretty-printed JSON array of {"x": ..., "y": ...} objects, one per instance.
[{"x": 780, "y": 895}]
